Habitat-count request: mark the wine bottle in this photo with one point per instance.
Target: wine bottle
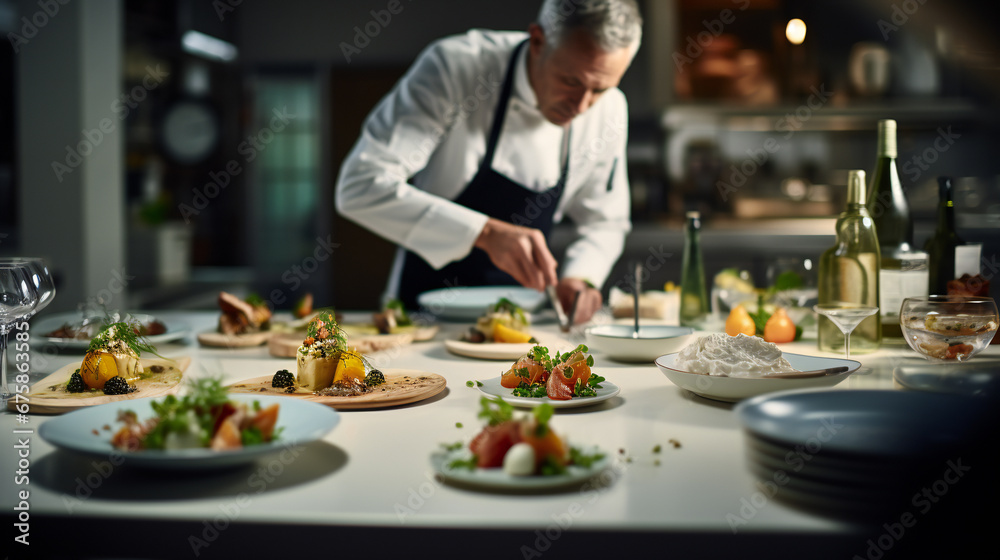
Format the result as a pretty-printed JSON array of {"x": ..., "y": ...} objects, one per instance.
[
  {"x": 694, "y": 299},
  {"x": 889, "y": 209},
  {"x": 849, "y": 273},
  {"x": 941, "y": 246}
]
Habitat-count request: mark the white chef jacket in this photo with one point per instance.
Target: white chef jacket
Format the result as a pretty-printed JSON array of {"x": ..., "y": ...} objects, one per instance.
[{"x": 424, "y": 141}]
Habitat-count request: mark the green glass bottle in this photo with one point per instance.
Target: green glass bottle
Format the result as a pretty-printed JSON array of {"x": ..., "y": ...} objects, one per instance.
[
  {"x": 890, "y": 211},
  {"x": 849, "y": 273},
  {"x": 694, "y": 298},
  {"x": 940, "y": 247}
]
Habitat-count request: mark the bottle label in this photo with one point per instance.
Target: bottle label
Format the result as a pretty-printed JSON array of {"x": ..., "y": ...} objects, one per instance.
[
  {"x": 895, "y": 286},
  {"x": 967, "y": 260}
]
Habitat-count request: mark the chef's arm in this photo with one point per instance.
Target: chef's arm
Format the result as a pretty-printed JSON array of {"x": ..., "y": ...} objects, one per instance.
[
  {"x": 396, "y": 142},
  {"x": 519, "y": 251}
]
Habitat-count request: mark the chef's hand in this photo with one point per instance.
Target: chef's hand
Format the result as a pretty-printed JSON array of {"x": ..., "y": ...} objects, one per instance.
[
  {"x": 590, "y": 298},
  {"x": 520, "y": 252}
]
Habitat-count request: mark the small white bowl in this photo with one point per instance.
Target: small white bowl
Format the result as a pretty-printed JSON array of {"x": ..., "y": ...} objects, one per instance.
[{"x": 653, "y": 341}]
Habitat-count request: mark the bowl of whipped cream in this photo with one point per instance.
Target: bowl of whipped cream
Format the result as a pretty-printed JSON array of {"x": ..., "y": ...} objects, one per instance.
[
  {"x": 732, "y": 368},
  {"x": 623, "y": 344}
]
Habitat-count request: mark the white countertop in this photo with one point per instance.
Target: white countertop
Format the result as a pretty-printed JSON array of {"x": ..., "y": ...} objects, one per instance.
[{"x": 373, "y": 469}]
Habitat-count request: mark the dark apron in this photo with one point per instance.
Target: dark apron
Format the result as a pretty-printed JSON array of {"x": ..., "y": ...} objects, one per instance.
[{"x": 496, "y": 196}]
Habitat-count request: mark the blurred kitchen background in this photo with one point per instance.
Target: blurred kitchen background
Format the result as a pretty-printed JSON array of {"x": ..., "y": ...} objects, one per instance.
[{"x": 157, "y": 152}]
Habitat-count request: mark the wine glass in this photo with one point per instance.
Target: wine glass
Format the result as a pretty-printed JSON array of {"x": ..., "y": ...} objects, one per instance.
[
  {"x": 41, "y": 279},
  {"x": 17, "y": 299},
  {"x": 846, "y": 316}
]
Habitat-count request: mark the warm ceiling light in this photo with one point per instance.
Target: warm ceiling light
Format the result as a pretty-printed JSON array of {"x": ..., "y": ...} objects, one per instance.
[
  {"x": 208, "y": 46},
  {"x": 795, "y": 31}
]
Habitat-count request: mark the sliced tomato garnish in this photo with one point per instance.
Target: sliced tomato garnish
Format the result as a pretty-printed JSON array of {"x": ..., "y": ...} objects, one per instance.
[{"x": 491, "y": 444}]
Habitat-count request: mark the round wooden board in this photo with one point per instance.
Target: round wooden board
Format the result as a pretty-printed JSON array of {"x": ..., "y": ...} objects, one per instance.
[
  {"x": 402, "y": 386},
  {"x": 285, "y": 345},
  {"x": 150, "y": 387},
  {"x": 220, "y": 340}
]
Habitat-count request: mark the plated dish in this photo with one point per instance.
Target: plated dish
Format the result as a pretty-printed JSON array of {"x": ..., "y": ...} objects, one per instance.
[
  {"x": 52, "y": 330},
  {"x": 554, "y": 378},
  {"x": 113, "y": 369},
  {"x": 517, "y": 453},
  {"x": 242, "y": 323},
  {"x": 493, "y": 388},
  {"x": 732, "y": 389},
  {"x": 332, "y": 372},
  {"x": 299, "y": 422},
  {"x": 467, "y": 303}
]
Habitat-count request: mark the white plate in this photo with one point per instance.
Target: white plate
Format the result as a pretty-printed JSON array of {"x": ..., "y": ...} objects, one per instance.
[
  {"x": 732, "y": 389},
  {"x": 653, "y": 341},
  {"x": 506, "y": 350},
  {"x": 469, "y": 303},
  {"x": 869, "y": 424},
  {"x": 493, "y": 388},
  {"x": 302, "y": 421},
  {"x": 175, "y": 330},
  {"x": 488, "y": 350},
  {"x": 496, "y": 479}
]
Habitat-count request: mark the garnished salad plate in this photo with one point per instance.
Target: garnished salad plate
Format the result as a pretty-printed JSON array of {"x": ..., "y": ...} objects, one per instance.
[
  {"x": 517, "y": 451},
  {"x": 82, "y": 431},
  {"x": 492, "y": 387},
  {"x": 497, "y": 479}
]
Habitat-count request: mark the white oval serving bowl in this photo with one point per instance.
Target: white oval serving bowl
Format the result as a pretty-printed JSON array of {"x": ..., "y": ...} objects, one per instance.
[{"x": 732, "y": 389}]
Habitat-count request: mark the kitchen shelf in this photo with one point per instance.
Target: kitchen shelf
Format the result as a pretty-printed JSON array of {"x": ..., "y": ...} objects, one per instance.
[{"x": 909, "y": 113}]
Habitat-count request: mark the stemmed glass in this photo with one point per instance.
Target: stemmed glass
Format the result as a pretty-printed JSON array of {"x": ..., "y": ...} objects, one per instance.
[
  {"x": 846, "y": 316},
  {"x": 18, "y": 298},
  {"x": 41, "y": 279}
]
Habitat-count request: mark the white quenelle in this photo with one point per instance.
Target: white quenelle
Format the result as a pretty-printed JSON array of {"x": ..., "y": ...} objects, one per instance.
[
  {"x": 519, "y": 460},
  {"x": 733, "y": 356}
]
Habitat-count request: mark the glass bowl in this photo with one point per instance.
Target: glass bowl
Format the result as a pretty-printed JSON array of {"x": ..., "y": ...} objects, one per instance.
[{"x": 948, "y": 328}]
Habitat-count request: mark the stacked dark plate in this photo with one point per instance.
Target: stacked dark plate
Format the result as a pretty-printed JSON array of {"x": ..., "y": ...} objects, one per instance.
[{"x": 870, "y": 455}]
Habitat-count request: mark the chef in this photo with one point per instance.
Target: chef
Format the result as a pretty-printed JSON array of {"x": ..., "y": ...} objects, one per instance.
[{"x": 492, "y": 137}]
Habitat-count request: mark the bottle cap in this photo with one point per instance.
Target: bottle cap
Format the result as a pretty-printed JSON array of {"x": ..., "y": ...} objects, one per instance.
[
  {"x": 693, "y": 214},
  {"x": 887, "y": 138},
  {"x": 856, "y": 186}
]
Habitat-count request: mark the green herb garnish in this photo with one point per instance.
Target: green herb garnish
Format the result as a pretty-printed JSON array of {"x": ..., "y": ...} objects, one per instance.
[
  {"x": 402, "y": 318},
  {"x": 471, "y": 463},
  {"x": 124, "y": 332},
  {"x": 452, "y": 446},
  {"x": 542, "y": 413},
  {"x": 495, "y": 411},
  {"x": 578, "y": 457},
  {"x": 504, "y": 305}
]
